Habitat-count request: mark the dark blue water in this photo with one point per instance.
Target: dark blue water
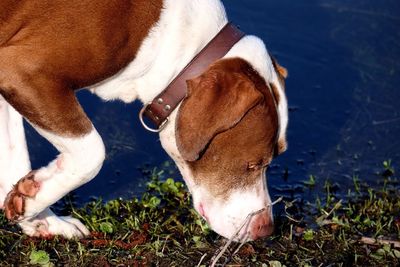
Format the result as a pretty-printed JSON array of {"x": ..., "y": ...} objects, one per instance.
[{"x": 344, "y": 73}]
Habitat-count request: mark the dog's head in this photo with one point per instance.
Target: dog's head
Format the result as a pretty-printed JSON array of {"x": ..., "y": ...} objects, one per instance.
[{"x": 226, "y": 133}]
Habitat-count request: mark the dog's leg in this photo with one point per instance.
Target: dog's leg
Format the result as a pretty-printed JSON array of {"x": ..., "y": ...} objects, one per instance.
[
  {"x": 53, "y": 110},
  {"x": 14, "y": 157},
  {"x": 15, "y": 163},
  {"x": 80, "y": 159}
]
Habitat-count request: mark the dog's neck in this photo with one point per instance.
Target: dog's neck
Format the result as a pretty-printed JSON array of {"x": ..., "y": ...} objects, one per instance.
[
  {"x": 174, "y": 41},
  {"x": 179, "y": 34}
]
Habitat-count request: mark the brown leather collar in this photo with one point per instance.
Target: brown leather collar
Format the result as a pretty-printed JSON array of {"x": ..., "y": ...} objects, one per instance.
[{"x": 159, "y": 109}]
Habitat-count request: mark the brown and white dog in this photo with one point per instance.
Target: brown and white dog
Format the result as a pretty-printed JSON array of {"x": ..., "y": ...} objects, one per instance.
[{"x": 222, "y": 137}]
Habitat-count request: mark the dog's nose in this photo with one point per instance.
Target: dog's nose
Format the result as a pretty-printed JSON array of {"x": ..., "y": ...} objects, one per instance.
[{"x": 261, "y": 225}]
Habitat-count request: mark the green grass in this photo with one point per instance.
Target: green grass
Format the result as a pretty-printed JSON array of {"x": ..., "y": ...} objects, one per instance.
[{"x": 162, "y": 229}]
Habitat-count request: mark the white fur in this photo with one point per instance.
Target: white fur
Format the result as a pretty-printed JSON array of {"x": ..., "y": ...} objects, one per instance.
[
  {"x": 184, "y": 28},
  {"x": 80, "y": 159},
  {"x": 14, "y": 157},
  {"x": 168, "y": 142},
  {"x": 253, "y": 50},
  {"x": 47, "y": 223},
  {"x": 14, "y": 164},
  {"x": 226, "y": 217}
]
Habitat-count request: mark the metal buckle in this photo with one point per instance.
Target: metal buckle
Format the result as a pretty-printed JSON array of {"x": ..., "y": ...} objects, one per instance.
[{"x": 153, "y": 130}]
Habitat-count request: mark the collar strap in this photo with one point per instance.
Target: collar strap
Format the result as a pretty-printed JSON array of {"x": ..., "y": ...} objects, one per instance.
[{"x": 159, "y": 109}]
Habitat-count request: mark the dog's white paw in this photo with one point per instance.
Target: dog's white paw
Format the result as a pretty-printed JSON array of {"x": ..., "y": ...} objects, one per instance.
[{"x": 47, "y": 224}]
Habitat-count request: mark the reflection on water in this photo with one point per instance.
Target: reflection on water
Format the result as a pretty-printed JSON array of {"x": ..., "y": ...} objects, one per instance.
[{"x": 343, "y": 61}]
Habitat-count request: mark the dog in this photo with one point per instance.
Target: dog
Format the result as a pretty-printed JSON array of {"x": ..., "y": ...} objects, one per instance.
[{"x": 223, "y": 134}]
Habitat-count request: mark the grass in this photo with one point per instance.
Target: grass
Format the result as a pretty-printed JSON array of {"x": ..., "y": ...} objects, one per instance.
[{"x": 162, "y": 229}]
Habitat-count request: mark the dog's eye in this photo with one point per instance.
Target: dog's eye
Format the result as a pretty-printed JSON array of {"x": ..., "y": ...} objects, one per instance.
[
  {"x": 257, "y": 165},
  {"x": 251, "y": 166}
]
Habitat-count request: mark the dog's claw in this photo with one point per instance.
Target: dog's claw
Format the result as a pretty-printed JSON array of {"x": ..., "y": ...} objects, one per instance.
[
  {"x": 18, "y": 202},
  {"x": 14, "y": 203}
]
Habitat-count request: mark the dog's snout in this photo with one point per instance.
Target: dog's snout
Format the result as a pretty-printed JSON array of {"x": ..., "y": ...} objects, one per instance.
[{"x": 261, "y": 225}]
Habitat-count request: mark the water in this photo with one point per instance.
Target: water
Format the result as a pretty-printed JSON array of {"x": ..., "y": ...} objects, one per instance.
[{"x": 343, "y": 62}]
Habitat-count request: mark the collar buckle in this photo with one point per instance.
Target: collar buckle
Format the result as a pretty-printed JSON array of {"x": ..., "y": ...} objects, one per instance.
[{"x": 148, "y": 128}]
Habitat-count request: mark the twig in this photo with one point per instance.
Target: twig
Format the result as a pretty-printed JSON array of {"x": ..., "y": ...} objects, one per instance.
[
  {"x": 240, "y": 245},
  {"x": 288, "y": 205},
  {"x": 291, "y": 218},
  {"x": 9, "y": 232},
  {"x": 242, "y": 242},
  {"x": 327, "y": 214},
  {"x": 227, "y": 244},
  {"x": 201, "y": 259},
  {"x": 374, "y": 241},
  {"x": 244, "y": 237}
]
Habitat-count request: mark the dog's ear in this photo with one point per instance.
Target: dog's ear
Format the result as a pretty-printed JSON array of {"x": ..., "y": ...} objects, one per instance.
[
  {"x": 282, "y": 71},
  {"x": 216, "y": 101}
]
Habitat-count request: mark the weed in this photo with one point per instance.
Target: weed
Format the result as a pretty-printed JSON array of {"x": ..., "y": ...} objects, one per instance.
[{"x": 311, "y": 181}]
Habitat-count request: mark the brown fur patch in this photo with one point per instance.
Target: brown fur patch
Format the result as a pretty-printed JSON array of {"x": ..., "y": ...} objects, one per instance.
[
  {"x": 50, "y": 48},
  {"x": 249, "y": 138},
  {"x": 14, "y": 204},
  {"x": 281, "y": 147},
  {"x": 209, "y": 97}
]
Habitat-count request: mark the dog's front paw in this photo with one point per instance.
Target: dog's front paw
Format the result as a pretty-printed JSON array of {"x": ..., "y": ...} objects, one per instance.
[
  {"x": 14, "y": 204},
  {"x": 47, "y": 224}
]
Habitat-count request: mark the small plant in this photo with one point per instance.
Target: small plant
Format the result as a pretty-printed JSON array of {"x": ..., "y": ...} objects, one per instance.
[
  {"x": 311, "y": 181},
  {"x": 40, "y": 257},
  {"x": 308, "y": 235},
  {"x": 385, "y": 252},
  {"x": 388, "y": 169},
  {"x": 356, "y": 182},
  {"x": 106, "y": 227}
]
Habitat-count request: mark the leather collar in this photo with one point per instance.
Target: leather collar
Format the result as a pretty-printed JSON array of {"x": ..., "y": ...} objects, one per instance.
[{"x": 159, "y": 109}]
